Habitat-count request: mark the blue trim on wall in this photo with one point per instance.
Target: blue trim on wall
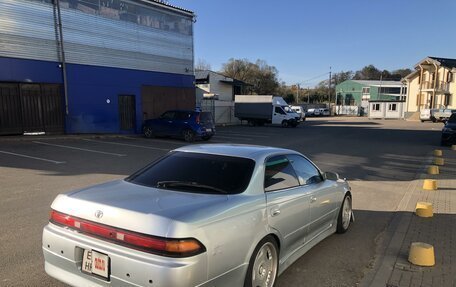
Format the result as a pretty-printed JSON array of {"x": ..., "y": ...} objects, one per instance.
[
  {"x": 90, "y": 88},
  {"x": 30, "y": 71}
]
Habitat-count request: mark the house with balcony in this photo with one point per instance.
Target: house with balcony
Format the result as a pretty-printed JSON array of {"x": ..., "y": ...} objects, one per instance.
[{"x": 432, "y": 85}]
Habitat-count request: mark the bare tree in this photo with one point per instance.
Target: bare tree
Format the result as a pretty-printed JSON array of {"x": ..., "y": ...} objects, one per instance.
[{"x": 202, "y": 65}]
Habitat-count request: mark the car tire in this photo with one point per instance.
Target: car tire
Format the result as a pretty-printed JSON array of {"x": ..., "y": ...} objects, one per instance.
[
  {"x": 206, "y": 138},
  {"x": 264, "y": 264},
  {"x": 188, "y": 135},
  {"x": 149, "y": 132},
  {"x": 285, "y": 124},
  {"x": 345, "y": 215}
]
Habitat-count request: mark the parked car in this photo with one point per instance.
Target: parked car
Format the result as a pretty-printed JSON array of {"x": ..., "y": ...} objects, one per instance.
[
  {"x": 425, "y": 115},
  {"x": 202, "y": 215},
  {"x": 449, "y": 131},
  {"x": 441, "y": 115},
  {"x": 185, "y": 124},
  {"x": 300, "y": 112},
  {"x": 325, "y": 112}
]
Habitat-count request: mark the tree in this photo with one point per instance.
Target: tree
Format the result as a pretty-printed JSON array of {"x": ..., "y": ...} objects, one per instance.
[
  {"x": 202, "y": 65},
  {"x": 260, "y": 75},
  {"x": 368, "y": 73}
]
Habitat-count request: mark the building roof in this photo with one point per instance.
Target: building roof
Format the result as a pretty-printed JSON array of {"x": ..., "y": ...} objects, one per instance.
[
  {"x": 202, "y": 76},
  {"x": 446, "y": 62},
  {"x": 166, "y": 4},
  {"x": 378, "y": 83}
]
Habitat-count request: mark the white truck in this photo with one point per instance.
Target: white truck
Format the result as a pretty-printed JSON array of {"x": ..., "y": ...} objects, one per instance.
[{"x": 260, "y": 110}]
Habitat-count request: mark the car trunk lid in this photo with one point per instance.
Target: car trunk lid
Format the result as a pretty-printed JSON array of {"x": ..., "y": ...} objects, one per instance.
[{"x": 134, "y": 207}]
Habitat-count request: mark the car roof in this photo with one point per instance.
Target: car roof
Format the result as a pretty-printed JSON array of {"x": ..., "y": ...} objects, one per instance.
[{"x": 254, "y": 152}]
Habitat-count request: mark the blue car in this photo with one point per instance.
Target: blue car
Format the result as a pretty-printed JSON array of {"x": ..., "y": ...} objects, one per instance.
[
  {"x": 449, "y": 131},
  {"x": 189, "y": 125}
]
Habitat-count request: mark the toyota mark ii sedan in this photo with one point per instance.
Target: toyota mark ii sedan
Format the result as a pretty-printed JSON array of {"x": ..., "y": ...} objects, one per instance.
[{"x": 202, "y": 215}]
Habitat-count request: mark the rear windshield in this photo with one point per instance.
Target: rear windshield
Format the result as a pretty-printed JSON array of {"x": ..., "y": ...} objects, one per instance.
[{"x": 197, "y": 173}]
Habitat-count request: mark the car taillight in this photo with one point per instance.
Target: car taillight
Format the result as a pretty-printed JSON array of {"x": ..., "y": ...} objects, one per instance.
[
  {"x": 153, "y": 244},
  {"x": 198, "y": 117}
]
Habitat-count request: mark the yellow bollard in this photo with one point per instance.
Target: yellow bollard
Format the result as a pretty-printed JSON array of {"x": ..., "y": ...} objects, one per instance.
[
  {"x": 433, "y": 169},
  {"x": 453, "y": 147},
  {"x": 430, "y": 184},
  {"x": 439, "y": 161},
  {"x": 438, "y": 152},
  {"x": 421, "y": 254},
  {"x": 424, "y": 209}
]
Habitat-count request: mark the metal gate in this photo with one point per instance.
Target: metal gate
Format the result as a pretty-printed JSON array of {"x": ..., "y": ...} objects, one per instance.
[
  {"x": 30, "y": 108},
  {"x": 127, "y": 112}
]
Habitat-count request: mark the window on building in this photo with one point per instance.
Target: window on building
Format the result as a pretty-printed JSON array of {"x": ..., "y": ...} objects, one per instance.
[
  {"x": 450, "y": 77},
  {"x": 366, "y": 90},
  {"x": 392, "y": 107},
  {"x": 447, "y": 100},
  {"x": 376, "y": 107}
]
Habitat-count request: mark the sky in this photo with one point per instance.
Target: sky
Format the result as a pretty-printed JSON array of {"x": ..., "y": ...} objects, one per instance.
[{"x": 304, "y": 38}]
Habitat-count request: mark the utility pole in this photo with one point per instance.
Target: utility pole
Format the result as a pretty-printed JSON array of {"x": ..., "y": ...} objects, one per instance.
[
  {"x": 329, "y": 85},
  {"x": 297, "y": 93}
]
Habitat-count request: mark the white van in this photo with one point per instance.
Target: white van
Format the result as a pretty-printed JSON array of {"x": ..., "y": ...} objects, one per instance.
[
  {"x": 425, "y": 115},
  {"x": 299, "y": 110}
]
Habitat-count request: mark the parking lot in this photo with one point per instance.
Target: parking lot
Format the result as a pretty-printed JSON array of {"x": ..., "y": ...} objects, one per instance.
[{"x": 379, "y": 158}]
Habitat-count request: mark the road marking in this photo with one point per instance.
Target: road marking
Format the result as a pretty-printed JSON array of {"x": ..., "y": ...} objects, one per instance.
[
  {"x": 82, "y": 149},
  {"x": 32, "y": 157},
  {"x": 239, "y": 134},
  {"x": 233, "y": 138},
  {"x": 123, "y": 144}
]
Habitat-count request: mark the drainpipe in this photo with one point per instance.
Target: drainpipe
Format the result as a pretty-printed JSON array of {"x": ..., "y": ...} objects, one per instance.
[
  {"x": 436, "y": 74},
  {"x": 421, "y": 87},
  {"x": 62, "y": 52}
]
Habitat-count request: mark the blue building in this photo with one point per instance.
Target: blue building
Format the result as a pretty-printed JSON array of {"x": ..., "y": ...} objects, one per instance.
[{"x": 92, "y": 66}]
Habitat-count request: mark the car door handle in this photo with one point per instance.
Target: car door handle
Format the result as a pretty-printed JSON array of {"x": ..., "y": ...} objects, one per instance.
[
  {"x": 170, "y": 122},
  {"x": 313, "y": 199},
  {"x": 275, "y": 212}
]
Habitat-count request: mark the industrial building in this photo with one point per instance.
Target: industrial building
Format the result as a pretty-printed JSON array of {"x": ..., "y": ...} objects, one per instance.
[{"x": 92, "y": 66}]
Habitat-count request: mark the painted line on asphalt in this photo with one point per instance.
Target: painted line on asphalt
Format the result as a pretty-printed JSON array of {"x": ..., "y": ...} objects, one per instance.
[
  {"x": 32, "y": 157},
  {"x": 81, "y": 149},
  {"x": 244, "y": 132},
  {"x": 124, "y": 144},
  {"x": 159, "y": 141},
  {"x": 233, "y": 138},
  {"x": 239, "y": 134}
]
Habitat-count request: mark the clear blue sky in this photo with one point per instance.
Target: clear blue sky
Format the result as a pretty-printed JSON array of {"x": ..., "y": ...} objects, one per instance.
[{"x": 302, "y": 39}]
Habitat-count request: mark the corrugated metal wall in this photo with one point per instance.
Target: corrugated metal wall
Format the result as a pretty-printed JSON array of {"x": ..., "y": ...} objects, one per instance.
[{"x": 28, "y": 31}]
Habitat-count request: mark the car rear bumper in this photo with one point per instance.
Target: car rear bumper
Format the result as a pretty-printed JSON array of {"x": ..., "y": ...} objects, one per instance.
[{"x": 63, "y": 251}]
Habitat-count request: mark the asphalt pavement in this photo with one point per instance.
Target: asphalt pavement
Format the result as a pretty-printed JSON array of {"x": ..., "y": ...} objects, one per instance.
[{"x": 381, "y": 159}]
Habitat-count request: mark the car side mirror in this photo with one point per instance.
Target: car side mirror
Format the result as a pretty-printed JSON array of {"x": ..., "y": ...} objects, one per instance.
[{"x": 331, "y": 175}]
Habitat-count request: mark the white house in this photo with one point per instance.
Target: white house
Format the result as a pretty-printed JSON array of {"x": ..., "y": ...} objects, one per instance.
[{"x": 215, "y": 93}]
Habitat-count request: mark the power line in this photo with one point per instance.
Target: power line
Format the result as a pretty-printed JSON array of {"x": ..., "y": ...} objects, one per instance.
[{"x": 314, "y": 78}]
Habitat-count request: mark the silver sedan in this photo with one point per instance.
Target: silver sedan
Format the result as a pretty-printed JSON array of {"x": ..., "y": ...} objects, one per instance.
[{"x": 202, "y": 215}]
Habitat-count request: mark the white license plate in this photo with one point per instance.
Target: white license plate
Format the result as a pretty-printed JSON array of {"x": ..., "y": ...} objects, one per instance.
[
  {"x": 208, "y": 130},
  {"x": 94, "y": 262}
]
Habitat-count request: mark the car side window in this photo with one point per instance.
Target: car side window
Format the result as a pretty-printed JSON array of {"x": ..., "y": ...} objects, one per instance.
[
  {"x": 279, "y": 110},
  {"x": 306, "y": 171},
  {"x": 168, "y": 116},
  {"x": 183, "y": 116},
  {"x": 279, "y": 174}
]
